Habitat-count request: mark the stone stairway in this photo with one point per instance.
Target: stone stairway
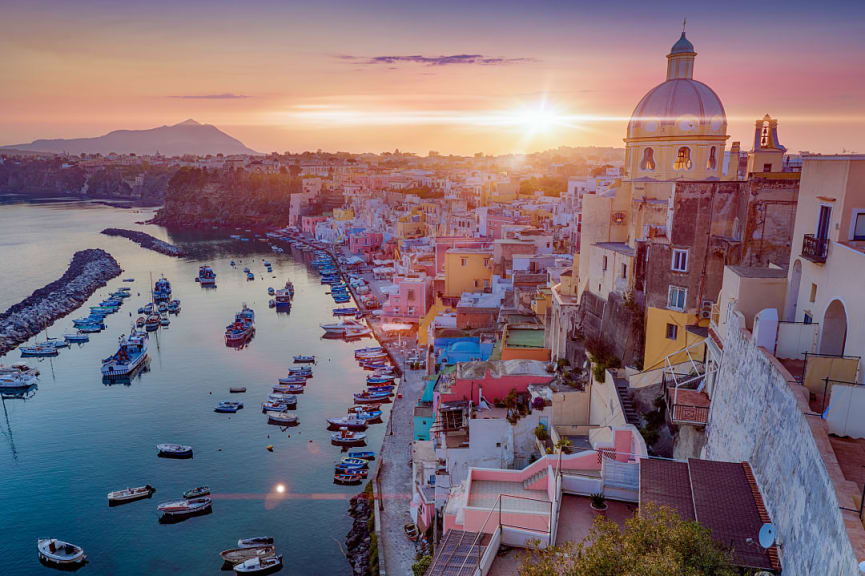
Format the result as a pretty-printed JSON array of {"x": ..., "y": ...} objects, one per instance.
[
  {"x": 631, "y": 415},
  {"x": 534, "y": 478}
]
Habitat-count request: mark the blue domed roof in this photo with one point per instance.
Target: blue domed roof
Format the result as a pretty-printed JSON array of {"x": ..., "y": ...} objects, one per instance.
[
  {"x": 682, "y": 46},
  {"x": 464, "y": 346}
]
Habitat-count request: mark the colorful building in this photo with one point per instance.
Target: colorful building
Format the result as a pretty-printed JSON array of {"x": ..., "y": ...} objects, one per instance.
[{"x": 467, "y": 270}]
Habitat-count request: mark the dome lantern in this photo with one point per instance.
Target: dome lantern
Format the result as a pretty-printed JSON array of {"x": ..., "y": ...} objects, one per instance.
[{"x": 680, "y": 60}]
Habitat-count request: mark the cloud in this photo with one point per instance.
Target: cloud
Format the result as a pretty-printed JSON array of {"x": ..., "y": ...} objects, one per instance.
[
  {"x": 437, "y": 60},
  {"x": 223, "y": 96}
]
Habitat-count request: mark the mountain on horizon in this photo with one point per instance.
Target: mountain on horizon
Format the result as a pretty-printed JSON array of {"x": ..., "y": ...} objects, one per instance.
[{"x": 187, "y": 137}]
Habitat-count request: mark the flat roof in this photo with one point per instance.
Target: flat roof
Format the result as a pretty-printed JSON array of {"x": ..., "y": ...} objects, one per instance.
[
  {"x": 525, "y": 338},
  {"x": 758, "y": 272},
  {"x": 619, "y": 247}
]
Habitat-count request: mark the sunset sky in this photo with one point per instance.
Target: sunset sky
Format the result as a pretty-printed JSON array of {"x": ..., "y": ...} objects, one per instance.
[{"x": 457, "y": 77}]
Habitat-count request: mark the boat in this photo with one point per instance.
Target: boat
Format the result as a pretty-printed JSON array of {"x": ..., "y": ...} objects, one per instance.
[
  {"x": 162, "y": 307},
  {"x": 378, "y": 388},
  {"x": 77, "y": 337},
  {"x": 162, "y": 290},
  {"x": 358, "y": 332},
  {"x": 347, "y": 478},
  {"x": 228, "y": 407},
  {"x": 206, "y": 276},
  {"x": 279, "y": 405},
  {"x": 349, "y": 422},
  {"x": 139, "y": 322},
  {"x": 129, "y": 280},
  {"x": 281, "y": 418},
  {"x": 60, "y": 553},
  {"x": 304, "y": 359},
  {"x": 40, "y": 349},
  {"x": 259, "y": 565},
  {"x": 346, "y": 437},
  {"x": 176, "y": 508},
  {"x": 282, "y": 298},
  {"x": 345, "y": 311},
  {"x": 197, "y": 492},
  {"x": 236, "y": 556},
  {"x": 148, "y": 308},
  {"x": 174, "y": 450},
  {"x": 370, "y": 412},
  {"x": 412, "y": 531},
  {"x": 357, "y": 462},
  {"x": 152, "y": 322},
  {"x": 304, "y": 371},
  {"x": 254, "y": 541},
  {"x": 174, "y": 306},
  {"x": 364, "y": 455},
  {"x": 242, "y": 329},
  {"x": 341, "y": 328},
  {"x": 237, "y": 389},
  {"x": 131, "y": 354},
  {"x": 130, "y": 494},
  {"x": 340, "y": 469},
  {"x": 250, "y": 276},
  {"x": 17, "y": 377},
  {"x": 375, "y": 355},
  {"x": 292, "y": 380},
  {"x": 88, "y": 321},
  {"x": 91, "y": 328},
  {"x": 289, "y": 388},
  {"x": 270, "y": 291},
  {"x": 370, "y": 397},
  {"x": 379, "y": 380},
  {"x": 361, "y": 351},
  {"x": 164, "y": 321}
]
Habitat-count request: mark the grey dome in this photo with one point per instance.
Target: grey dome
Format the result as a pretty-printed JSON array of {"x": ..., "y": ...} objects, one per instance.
[
  {"x": 682, "y": 46},
  {"x": 675, "y": 99}
]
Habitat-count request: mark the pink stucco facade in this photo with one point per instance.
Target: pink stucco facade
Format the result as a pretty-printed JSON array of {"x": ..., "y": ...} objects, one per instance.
[
  {"x": 308, "y": 223},
  {"x": 365, "y": 242},
  {"x": 493, "y": 387},
  {"x": 411, "y": 301}
]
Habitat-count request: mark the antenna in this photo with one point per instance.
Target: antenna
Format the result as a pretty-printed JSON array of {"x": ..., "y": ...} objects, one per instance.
[{"x": 766, "y": 536}]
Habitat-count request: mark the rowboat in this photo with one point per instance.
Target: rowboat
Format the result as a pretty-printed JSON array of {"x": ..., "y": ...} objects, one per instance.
[
  {"x": 304, "y": 359},
  {"x": 304, "y": 371},
  {"x": 174, "y": 450},
  {"x": 235, "y": 556},
  {"x": 255, "y": 541},
  {"x": 356, "y": 462},
  {"x": 177, "y": 508},
  {"x": 77, "y": 337},
  {"x": 289, "y": 388},
  {"x": 259, "y": 565},
  {"x": 361, "y": 351},
  {"x": 380, "y": 379},
  {"x": 130, "y": 494},
  {"x": 346, "y": 437},
  {"x": 362, "y": 472},
  {"x": 227, "y": 407},
  {"x": 380, "y": 388},
  {"x": 363, "y": 455},
  {"x": 281, "y": 418},
  {"x": 370, "y": 398},
  {"x": 293, "y": 380},
  {"x": 283, "y": 403},
  {"x": 58, "y": 552},
  {"x": 197, "y": 492},
  {"x": 237, "y": 389},
  {"x": 346, "y": 478},
  {"x": 370, "y": 413},
  {"x": 350, "y": 422}
]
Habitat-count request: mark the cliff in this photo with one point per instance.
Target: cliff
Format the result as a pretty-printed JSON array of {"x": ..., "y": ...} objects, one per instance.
[{"x": 200, "y": 199}]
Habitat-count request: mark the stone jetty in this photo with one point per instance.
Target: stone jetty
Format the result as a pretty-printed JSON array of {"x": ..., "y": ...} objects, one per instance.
[
  {"x": 146, "y": 241},
  {"x": 358, "y": 540},
  {"x": 89, "y": 270}
]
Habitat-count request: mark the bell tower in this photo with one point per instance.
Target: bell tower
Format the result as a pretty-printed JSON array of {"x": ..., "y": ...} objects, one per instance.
[{"x": 767, "y": 155}]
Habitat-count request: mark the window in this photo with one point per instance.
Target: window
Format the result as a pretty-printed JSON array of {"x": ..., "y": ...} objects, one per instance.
[
  {"x": 624, "y": 270},
  {"x": 859, "y": 226},
  {"x": 680, "y": 260},
  {"x": 712, "y": 162},
  {"x": 823, "y": 220},
  {"x": 605, "y": 264},
  {"x": 676, "y": 298},
  {"x": 808, "y": 319},
  {"x": 648, "y": 161},
  {"x": 464, "y": 261},
  {"x": 813, "y": 297},
  {"x": 767, "y": 167},
  {"x": 486, "y": 283},
  {"x": 683, "y": 159},
  {"x": 476, "y": 283},
  {"x": 672, "y": 332}
]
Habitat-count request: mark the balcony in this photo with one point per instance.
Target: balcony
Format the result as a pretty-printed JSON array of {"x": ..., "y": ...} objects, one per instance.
[{"x": 814, "y": 248}]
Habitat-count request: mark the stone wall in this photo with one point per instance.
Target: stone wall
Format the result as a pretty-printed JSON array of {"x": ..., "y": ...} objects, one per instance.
[{"x": 758, "y": 416}]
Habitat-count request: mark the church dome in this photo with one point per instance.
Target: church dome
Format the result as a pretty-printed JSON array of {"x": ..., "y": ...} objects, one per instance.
[{"x": 680, "y": 106}]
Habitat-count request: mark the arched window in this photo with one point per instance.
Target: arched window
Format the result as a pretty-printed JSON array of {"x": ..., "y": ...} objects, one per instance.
[
  {"x": 712, "y": 163},
  {"x": 648, "y": 161},
  {"x": 683, "y": 159}
]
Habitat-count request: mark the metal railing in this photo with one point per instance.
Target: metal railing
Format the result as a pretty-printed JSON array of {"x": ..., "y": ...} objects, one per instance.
[{"x": 815, "y": 249}]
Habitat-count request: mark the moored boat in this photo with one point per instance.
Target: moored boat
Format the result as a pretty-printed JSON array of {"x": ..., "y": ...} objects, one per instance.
[
  {"x": 349, "y": 422},
  {"x": 197, "y": 492},
  {"x": 347, "y": 478},
  {"x": 300, "y": 359},
  {"x": 236, "y": 556},
  {"x": 40, "y": 349},
  {"x": 178, "y": 508},
  {"x": 281, "y": 418},
  {"x": 259, "y": 565},
  {"x": 77, "y": 337},
  {"x": 370, "y": 397},
  {"x": 289, "y": 388},
  {"x": 346, "y": 437},
  {"x": 363, "y": 454},
  {"x": 60, "y": 553},
  {"x": 254, "y": 541},
  {"x": 130, "y": 494},
  {"x": 206, "y": 276},
  {"x": 131, "y": 354},
  {"x": 174, "y": 450}
]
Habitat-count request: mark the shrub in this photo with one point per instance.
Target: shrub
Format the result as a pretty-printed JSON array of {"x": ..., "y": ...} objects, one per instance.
[
  {"x": 420, "y": 567},
  {"x": 538, "y": 403}
]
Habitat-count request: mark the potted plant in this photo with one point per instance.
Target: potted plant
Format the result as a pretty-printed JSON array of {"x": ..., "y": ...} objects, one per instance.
[{"x": 598, "y": 504}]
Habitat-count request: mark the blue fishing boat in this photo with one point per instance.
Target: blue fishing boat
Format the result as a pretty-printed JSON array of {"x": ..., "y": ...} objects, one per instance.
[
  {"x": 345, "y": 311},
  {"x": 300, "y": 359},
  {"x": 364, "y": 455},
  {"x": 162, "y": 290},
  {"x": 130, "y": 355}
]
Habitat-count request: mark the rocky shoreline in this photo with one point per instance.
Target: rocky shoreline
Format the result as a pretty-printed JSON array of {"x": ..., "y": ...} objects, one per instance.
[
  {"x": 359, "y": 541},
  {"x": 89, "y": 270},
  {"x": 146, "y": 241}
]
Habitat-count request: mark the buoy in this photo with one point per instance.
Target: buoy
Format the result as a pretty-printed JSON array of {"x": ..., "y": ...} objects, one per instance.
[{"x": 270, "y": 448}]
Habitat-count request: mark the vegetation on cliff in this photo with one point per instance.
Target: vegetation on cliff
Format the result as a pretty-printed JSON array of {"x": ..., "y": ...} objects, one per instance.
[{"x": 201, "y": 198}]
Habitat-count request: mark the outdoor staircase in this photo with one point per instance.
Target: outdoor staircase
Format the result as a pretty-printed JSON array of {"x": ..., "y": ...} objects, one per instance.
[
  {"x": 631, "y": 415},
  {"x": 527, "y": 483}
]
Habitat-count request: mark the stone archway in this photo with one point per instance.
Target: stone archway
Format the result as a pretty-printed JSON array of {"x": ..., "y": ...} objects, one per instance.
[
  {"x": 793, "y": 292},
  {"x": 834, "y": 329}
]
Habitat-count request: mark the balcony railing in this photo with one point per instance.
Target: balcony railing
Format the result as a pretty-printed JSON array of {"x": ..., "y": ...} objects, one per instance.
[{"x": 814, "y": 248}]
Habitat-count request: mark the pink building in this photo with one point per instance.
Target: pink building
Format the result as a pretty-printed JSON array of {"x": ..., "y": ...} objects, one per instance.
[
  {"x": 365, "y": 243},
  {"x": 410, "y": 299},
  {"x": 308, "y": 223},
  {"x": 493, "y": 378}
]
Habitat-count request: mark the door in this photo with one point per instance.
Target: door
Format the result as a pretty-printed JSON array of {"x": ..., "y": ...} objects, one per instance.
[{"x": 823, "y": 222}]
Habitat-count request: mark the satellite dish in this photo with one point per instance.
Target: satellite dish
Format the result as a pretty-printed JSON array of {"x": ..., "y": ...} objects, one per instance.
[{"x": 767, "y": 535}]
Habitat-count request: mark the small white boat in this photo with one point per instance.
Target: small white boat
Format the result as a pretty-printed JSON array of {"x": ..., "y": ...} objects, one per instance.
[
  {"x": 346, "y": 437},
  {"x": 254, "y": 542},
  {"x": 185, "y": 507},
  {"x": 259, "y": 565},
  {"x": 58, "y": 552},
  {"x": 281, "y": 418},
  {"x": 130, "y": 494},
  {"x": 175, "y": 450}
]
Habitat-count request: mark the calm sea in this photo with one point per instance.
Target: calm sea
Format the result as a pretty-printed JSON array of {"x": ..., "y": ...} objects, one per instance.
[{"x": 76, "y": 438}]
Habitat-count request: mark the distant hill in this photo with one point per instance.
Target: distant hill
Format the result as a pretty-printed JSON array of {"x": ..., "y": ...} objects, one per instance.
[{"x": 188, "y": 137}]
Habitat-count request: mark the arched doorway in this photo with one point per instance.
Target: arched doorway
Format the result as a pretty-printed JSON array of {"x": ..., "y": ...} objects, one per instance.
[
  {"x": 834, "y": 335},
  {"x": 793, "y": 292}
]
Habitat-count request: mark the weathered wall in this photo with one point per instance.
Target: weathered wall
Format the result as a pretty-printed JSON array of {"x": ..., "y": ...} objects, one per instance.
[{"x": 757, "y": 416}]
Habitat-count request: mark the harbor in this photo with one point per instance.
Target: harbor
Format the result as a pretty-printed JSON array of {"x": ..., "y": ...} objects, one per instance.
[{"x": 75, "y": 436}]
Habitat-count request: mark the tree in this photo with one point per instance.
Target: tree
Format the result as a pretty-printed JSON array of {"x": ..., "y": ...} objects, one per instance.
[{"x": 656, "y": 542}]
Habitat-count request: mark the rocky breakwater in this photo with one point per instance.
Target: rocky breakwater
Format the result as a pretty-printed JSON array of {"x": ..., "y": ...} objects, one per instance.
[
  {"x": 146, "y": 241},
  {"x": 89, "y": 270},
  {"x": 359, "y": 539}
]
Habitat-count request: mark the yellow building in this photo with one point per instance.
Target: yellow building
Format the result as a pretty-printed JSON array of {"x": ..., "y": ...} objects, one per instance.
[
  {"x": 411, "y": 225},
  {"x": 343, "y": 214},
  {"x": 467, "y": 270}
]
